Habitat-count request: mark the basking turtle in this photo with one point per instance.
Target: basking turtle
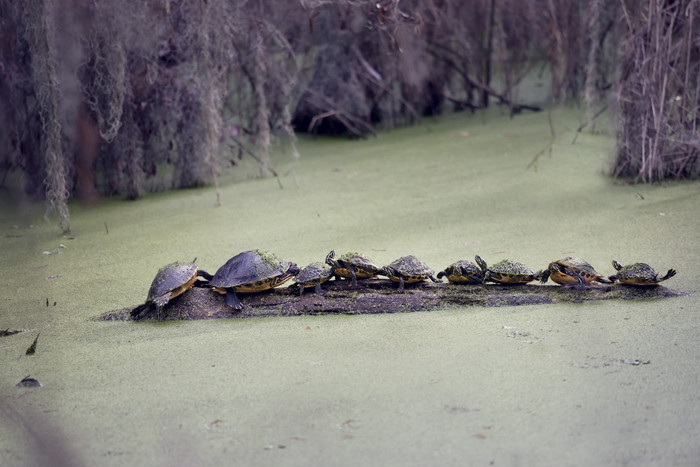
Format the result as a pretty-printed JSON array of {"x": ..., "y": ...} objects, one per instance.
[
  {"x": 463, "y": 272},
  {"x": 408, "y": 269},
  {"x": 170, "y": 281},
  {"x": 249, "y": 272},
  {"x": 639, "y": 274},
  {"x": 507, "y": 272},
  {"x": 314, "y": 275},
  {"x": 352, "y": 266},
  {"x": 572, "y": 271}
]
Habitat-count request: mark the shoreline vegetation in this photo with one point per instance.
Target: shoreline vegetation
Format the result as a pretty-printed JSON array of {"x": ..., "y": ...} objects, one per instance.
[{"x": 171, "y": 94}]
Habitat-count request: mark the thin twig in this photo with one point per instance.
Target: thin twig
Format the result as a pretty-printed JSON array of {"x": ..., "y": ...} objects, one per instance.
[
  {"x": 588, "y": 122},
  {"x": 260, "y": 161}
]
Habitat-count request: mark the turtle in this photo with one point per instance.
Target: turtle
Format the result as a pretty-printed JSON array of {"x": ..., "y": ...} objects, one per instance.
[
  {"x": 249, "y": 272},
  {"x": 572, "y": 271},
  {"x": 507, "y": 272},
  {"x": 639, "y": 274},
  {"x": 352, "y": 266},
  {"x": 408, "y": 269},
  {"x": 314, "y": 275},
  {"x": 463, "y": 272},
  {"x": 170, "y": 281}
]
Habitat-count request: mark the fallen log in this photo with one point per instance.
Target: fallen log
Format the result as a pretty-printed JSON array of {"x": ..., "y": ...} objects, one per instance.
[{"x": 380, "y": 296}]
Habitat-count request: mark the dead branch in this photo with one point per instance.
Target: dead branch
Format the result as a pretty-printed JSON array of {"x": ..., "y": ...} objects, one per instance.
[{"x": 262, "y": 163}]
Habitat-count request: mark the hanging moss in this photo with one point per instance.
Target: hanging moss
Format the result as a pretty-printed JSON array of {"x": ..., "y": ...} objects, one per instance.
[{"x": 40, "y": 36}]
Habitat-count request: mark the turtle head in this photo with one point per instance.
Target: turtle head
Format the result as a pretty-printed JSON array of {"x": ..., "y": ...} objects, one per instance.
[
  {"x": 330, "y": 261},
  {"x": 616, "y": 265},
  {"x": 293, "y": 269},
  {"x": 482, "y": 264}
]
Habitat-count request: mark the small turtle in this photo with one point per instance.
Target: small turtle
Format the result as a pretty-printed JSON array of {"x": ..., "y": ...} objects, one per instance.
[
  {"x": 314, "y": 275},
  {"x": 250, "y": 272},
  {"x": 352, "y": 266},
  {"x": 463, "y": 272},
  {"x": 507, "y": 272},
  {"x": 639, "y": 274},
  {"x": 170, "y": 281},
  {"x": 572, "y": 271},
  {"x": 408, "y": 269}
]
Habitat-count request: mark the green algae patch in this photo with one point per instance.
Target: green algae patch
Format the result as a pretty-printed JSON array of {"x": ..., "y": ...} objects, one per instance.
[
  {"x": 418, "y": 388},
  {"x": 380, "y": 296}
]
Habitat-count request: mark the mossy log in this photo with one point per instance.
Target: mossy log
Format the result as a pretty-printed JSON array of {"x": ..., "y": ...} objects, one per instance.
[{"x": 380, "y": 296}]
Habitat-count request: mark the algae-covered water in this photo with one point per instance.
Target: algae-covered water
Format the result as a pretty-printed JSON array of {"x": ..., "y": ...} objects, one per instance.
[{"x": 595, "y": 383}]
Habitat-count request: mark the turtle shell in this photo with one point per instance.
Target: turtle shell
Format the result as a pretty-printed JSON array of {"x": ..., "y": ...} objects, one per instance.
[
  {"x": 639, "y": 274},
  {"x": 253, "y": 271},
  {"x": 313, "y": 275},
  {"x": 572, "y": 271},
  {"x": 171, "y": 281},
  {"x": 507, "y": 272},
  {"x": 363, "y": 267},
  {"x": 463, "y": 272},
  {"x": 408, "y": 269}
]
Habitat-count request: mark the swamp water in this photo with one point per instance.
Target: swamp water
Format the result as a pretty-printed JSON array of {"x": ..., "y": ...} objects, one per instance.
[{"x": 605, "y": 382}]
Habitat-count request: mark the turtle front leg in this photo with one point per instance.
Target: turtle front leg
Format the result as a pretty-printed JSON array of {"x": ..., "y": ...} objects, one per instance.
[
  {"x": 400, "y": 289},
  {"x": 232, "y": 300},
  {"x": 163, "y": 299},
  {"x": 580, "y": 281}
]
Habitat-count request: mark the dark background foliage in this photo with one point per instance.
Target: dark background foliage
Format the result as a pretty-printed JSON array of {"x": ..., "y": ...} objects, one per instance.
[{"x": 123, "y": 97}]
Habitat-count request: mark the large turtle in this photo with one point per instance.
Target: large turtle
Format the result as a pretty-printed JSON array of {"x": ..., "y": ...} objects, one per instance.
[
  {"x": 314, "y": 275},
  {"x": 463, "y": 272},
  {"x": 408, "y": 269},
  {"x": 572, "y": 271},
  {"x": 639, "y": 274},
  {"x": 170, "y": 281},
  {"x": 352, "y": 266},
  {"x": 507, "y": 272},
  {"x": 249, "y": 272}
]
